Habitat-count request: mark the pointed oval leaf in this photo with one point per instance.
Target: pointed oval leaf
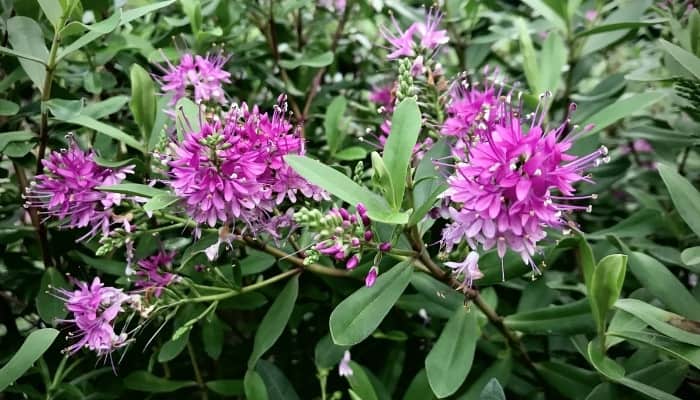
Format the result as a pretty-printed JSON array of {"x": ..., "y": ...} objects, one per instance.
[
  {"x": 33, "y": 347},
  {"x": 684, "y": 195},
  {"x": 405, "y": 127}
]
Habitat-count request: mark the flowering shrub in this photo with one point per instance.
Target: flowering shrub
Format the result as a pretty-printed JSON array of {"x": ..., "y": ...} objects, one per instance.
[{"x": 350, "y": 199}]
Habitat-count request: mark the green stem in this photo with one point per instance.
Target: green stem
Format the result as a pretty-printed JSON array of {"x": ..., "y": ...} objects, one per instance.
[
  {"x": 58, "y": 376},
  {"x": 197, "y": 373}
]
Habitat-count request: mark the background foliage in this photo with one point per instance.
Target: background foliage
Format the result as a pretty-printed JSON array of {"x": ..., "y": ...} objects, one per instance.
[{"x": 615, "y": 315}]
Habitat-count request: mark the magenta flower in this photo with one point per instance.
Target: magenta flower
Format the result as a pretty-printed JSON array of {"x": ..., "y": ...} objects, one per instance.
[
  {"x": 371, "y": 276},
  {"x": 94, "y": 308},
  {"x": 383, "y": 97},
  {"x": 233, "y": 168},
  {"x": 402, "y": 44},
  {"x": 513, "y": 185},
  {"x": 471, "y": 111},
  {"x": 344, "y": 368},
  {"x": 154, "y": 274},
  {"x": 67, "y": 190},
  {"x": 468, "y": 270},
  {"x": 333, "y": 5},
  {"x": 204, "y": 75},
  {"x": 431, "y": 36}
]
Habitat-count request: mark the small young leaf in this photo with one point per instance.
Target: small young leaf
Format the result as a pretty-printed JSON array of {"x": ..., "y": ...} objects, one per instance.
[
  {"x": 405, "y": 127},
  {"x": 608, "y": 277},
  {"x": 143, "y": 99}
]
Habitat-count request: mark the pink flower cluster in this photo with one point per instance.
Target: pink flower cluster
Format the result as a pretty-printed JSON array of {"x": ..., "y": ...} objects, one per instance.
[
  {"x": 233, "y": 167},
  {"x": 94, "y": 309},
  {"x": 154, "y": 272},
  {"x": 515, "y": 181},
  {"x": 419, "y": 37},
  {"x": 471, "y": 110},
  {"x": 67, "y": 190},
  {"x": 204, "y": 75}
]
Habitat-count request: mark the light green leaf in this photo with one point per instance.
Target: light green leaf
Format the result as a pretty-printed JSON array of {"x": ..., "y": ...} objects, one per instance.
[
  {"x": 628, "y": 10},
  {"x": 8, "y": 108},
  {"x": 275, "y": 320},
  {"x": 550, "y": 14},
  {"x": 161, "y": 119},
  {"x": 114, "y": 133},
  {"x": 530, "y": 67},
  {"x": 96, "y": 31},
  {"x": 253, "y": 386},
  {"x": 688, "y": 60},
  {"x": 450, "y": 359},
  {"x": 405, "y": 127},
  {"x": 144, "y": 381},
  {"x": 332, "y": 123},
  {"x": 143, "y": 99},
  {"x": 663, "y": 284},
  {"x": 25, "y": 36},
  {"x": 668, "y": 323},
  {"x": 24, "y": 56},
  {"x": 187, "y": 117},
  {"x": 53, "y": 11},
  {"x": 691, "y": 256},
  {"x": 608, "y": 277},
  {"x": 614, "y": 26},
  {"x": 622, "y": 109},
  {"x": 173, "y": 347},
  {"x": 551, "y": 61},
  {"x": 134, "y": 189},
  {"x": 683, "y": 351},
  {"x": 345, "y": 188},
  {"x": 315, "y": 61},
  {"x": 685, "y": 196},
  {"x": 351, "y": 153},
  {"x": 104, "y": 108},
  {"x": 33, "y": 347},
  {"x": 356, "y": 317},
  {"x": 160, "y": 202},
  {"x": 328, "y": 354},
  {"x": 492, "y": 391}
]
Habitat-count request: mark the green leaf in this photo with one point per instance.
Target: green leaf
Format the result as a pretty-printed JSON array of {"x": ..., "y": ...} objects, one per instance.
[
  {"x": 622, "y": 321},
  {"x": 614, "y": 26},
  {"x": 574, "y": 317},
  {"x": 332, "y": 122},
  {"x": 688, "y": 60},
  {"x": 549, "y": 13},
  {"x": 691, "y": 256},
  {"x": 139, "y": 12},
  {"x": 114, "y": 133},
  {"x": 187, "y": 117},
  {"x": 53, "y": 11},
  {"x": 278, "y": 387},
  {"x": 571, "y": 381},
  {"x": 213, "y": 336},
  {"x": 360, "y": 314},
  {"x": 160, "y": 122},
  {"x": 33, "y": 347},
  {"x": 328, "y": 354},
  {"x": 640, "y": 224},
  {"x": 668, "y": 323},
  {"x": 25, "y": 36},
  {"x": 621, "y": 109},
  {"x": 608, "y": 277},
  {"x": 253, "y": 386},
  {"x": 315, "y": 61},
  {"x": 492, "y": 391},
  {"x": 629, "y": 10},
  {"x": 275, "y": 320},
  {"x": 160, "y": 202},
  {"x": 667, "y": 375},
  {"x": 226, "y": 387},
  {"x": 663, "y": 284},
  {"x": 345, "y": 188},
  {"x": 256, "y": 262},
  {"x": 133, "y": 189},
  {"x": 530, "y": 67},
  {"x": 112, "y": 267},
  {"x": 96, "y": 31},
  {"x": 144, "y": 381},
  {"x": 173, "y": 348},
  {"x": 6, "y": 138},
  {"x": 450, "y": 359},
  {"x": 685, "y": 196},
  {"x": 682, "y": 351},
  {"x": 351, "y": 153},
  {"x": 143, "y": 99},
  {"x": 405, "y": 127},
  {"x": 49, "y": 306},
  {"x": 364, "y": 384},
  {"x": 551, "y": 61},
  {"x": 419, "y": 388},
  {"x": 8, "y": 108},
  {"x": 104, "y": 108}
]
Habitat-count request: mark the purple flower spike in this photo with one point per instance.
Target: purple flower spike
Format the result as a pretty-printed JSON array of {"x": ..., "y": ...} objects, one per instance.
[
  {"x": 153, "y": 272},
  {"x": 204, "y": 75},
  {"x": 352, "y": 262},
  {"x": 368, "y": 236},
  {"x": 371, "y": 276}
]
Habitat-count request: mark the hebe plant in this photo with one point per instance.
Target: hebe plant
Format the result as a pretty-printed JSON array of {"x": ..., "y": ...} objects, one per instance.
[{"x": 350, "y": 199}]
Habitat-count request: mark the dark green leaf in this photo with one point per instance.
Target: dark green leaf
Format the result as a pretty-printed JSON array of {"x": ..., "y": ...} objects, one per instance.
[
  {"x": 278, "y": 387},
  {"x": 172, "y": 348},
  {"x": 49, "y": 306},
  {"x": 33, "y": 347},
  {"x": 226, "y": 387},
  {"x": 683, "y": 351},
  {"x": 685, "y": 196},
  {"x": 144, "y": 381},
  {"x": 328, "y": 354},
  {"x": 315, "y": 61},
  {"x": 570, "y": 318}
]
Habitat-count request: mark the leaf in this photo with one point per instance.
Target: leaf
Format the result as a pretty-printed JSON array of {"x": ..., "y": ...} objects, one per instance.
[
  {"x": 8, "y": 108},
  {"x": 664, "y": 285},
  {"x": 226, "y": 387},
  {"x": 256, "y": 262},
  {"x": 96, "y": 31},
  {"x": 631, "y": 10},
  {"x": 331, "y": 123},
  {"x": 187, "y": 117},
  {"x": 689, "y": 61},
  {"x": 550, "y": 14},
  {"x": 278, "y": 387},
  {"x": 144, "y": 381},
  {"x": 405, "y": 127},
  {"x": 160, "y": 202},
  {"x": 143, "y": 99},
  {"x": 253, "y": 386},
  {"x": 173, "y": 347},
  {"x": 640, "y": 224},
  {"x": 492, "y": 391},
  {"x": 112, "y": 267},
  {"x": 160, "y": 122},
  {"x": 667, "y": 375},
  {"x": 49, "y": 306},
  {"x": 684, "y": 195},
  {"x": 345, "y": 188},
  {"x": 139, "y": 12},
  {"x": 364, "y": 384},
  {"x": 272, "y": 325},
  {"x": 360, "y": 314},
  {"x": 6, "y": 138},
  {"x": 551, "y": 61},
  {"x": 574, "y": 317},
  {"x": 315, "y": 61},
  {"x": 328, "y": 354},
  {"x": 104, "y": 108},
  {"x": 450, "y": 359},
  {"x": 114, "y": 133},
  {"x": 33, "y": 347},
  {"x": 571, "y": 381},
  {"x": 500, "y": 370},
  {"x": 133, "y": 189},
  {"x": 53, "y": 11},
  {"x": 351, "y": 153},
  {"x": 614, "y": 26},
  {"x": 530, "y": 67},
  {"x": 683, "y": 351},
  {"x": 419, "y": 388},
  {"x": 622, "y": 321},
  {"x": 213, "y": 336},
  {"x": 608, "y": 277},
  {"x": 25, "y": 36},
  {"x": 621, "y": 109},
  {"x": 670, "y": 324},
  {"x": 691, "y": 256}
]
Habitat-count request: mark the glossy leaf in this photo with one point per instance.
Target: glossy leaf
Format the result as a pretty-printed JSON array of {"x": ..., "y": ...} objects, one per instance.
[
  {"x": 608, "y": 277},
  {"x": 25, "y": 36},
  {"x": 33, "y": 347},
  {"x": 405, "y": 127},
  {"x": 691, "y": 255},
  {"x": 356, "y": 317},
  {"x": 254, "y": 386},
  {"x": 682, "y": 351},
  {"x": 685, "y": 196},
  {"x": 450, "y": 359},
  {"x": 278, "y": 386},
  {"x": 622, "y": 109},
  {"x": 570, "y": 318},
  {"x": 143, "y": 99},
  {"x": 668, "y": 323}
]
